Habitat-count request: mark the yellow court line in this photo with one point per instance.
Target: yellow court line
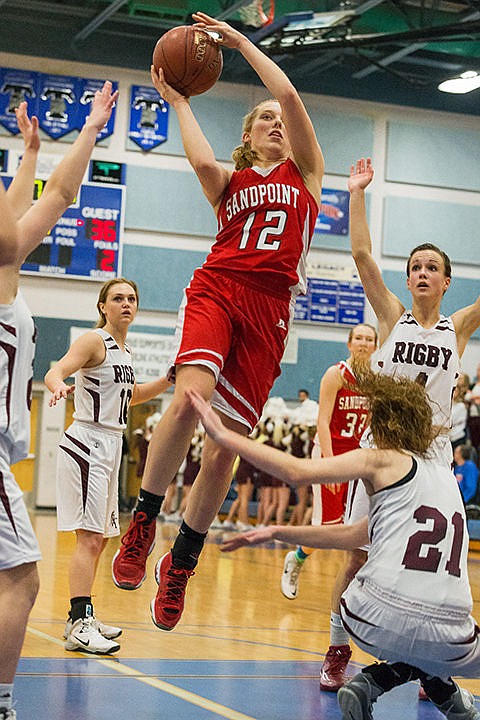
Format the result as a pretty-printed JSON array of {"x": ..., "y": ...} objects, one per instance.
[{"x": 122, "y": 669}]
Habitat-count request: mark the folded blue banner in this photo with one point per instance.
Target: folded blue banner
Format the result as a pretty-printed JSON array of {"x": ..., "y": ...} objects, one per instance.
[
  {"x": 148, "y": 117},
  {"x": 15, "y": 87},
  {"x": 60, "y": 102}
]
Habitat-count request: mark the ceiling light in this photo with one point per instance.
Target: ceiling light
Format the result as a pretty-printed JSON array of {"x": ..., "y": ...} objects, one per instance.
[{"x": 467, "y": 82}]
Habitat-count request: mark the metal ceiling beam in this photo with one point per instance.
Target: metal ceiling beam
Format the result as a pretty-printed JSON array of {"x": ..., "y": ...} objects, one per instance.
[
  {"x": 232, "y": 8},
  {"x": 402, "y": 53},
  {"x": 425, "y": 35},
  {"x": 98, "y": 20},
  {"x": 394, "y": 57}
]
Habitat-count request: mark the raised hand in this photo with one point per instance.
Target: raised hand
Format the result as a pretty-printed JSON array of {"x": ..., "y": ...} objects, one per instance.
[
  {"x": 102, "y": 105},
  {"x": 166, "y": 91},
  {"x": 227, "y": 35},
  {"x": 361, "y": 174},
  {"x": 28, "y": 127},
  {"x": 252, "y": 537}
]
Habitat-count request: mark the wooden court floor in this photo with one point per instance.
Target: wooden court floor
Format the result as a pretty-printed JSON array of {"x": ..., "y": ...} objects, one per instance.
[{"x": 241, "y": 651}]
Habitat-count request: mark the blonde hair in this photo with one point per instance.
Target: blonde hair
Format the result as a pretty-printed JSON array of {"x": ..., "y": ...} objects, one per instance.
[
  {"x": 401, "y": 413},
  {"x": 367, "y": 325},
  {"x": 103, "y": 294},
  {"x": 243, "y": 156}
]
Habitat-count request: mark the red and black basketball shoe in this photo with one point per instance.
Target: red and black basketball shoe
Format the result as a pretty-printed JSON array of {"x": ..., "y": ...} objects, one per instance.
[{"x": 128, "y": 565}]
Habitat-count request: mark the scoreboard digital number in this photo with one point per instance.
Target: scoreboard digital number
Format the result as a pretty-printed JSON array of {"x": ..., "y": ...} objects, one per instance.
[{"x": 86, "y": 242}]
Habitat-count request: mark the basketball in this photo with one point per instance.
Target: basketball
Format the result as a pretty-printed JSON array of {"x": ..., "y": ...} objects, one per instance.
[{"x": 190, "y": 59}]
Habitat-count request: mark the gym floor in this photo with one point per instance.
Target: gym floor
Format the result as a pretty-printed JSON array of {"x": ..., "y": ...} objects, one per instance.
[{"x": 241, "y": 650}]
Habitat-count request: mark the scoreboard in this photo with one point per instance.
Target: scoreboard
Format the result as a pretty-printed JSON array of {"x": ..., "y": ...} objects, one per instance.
[
  {"x": 87, "y": 240},
  {"x": 86, "y": 243}
]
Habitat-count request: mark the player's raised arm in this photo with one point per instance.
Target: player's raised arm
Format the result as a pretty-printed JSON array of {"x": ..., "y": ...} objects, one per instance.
[
  {"x": 20, "y": 191},
  {"x": 8, "y": 235},
  {"x": 466, "y": 321},
  {"x": 212, "y": 175},
  {"x": 65, "y": 180},
  {"x": 305, "y": 148},
  {"x": 386, "y": 306}
]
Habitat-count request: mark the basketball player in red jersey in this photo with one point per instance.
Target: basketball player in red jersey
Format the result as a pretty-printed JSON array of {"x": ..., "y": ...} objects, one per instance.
[
  {"x": 234, "y": 320},
  {"x": 22, "y": 228},
  {"x": 342, "y": 418}
]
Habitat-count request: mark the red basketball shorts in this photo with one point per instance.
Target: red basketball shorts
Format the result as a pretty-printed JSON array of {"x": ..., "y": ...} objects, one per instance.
[{"x": 239, "y": 333}]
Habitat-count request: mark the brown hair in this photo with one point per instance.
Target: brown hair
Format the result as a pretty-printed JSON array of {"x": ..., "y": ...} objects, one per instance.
[
  {"x": 103, "y": 294},
  {"x": 243, "y": 156},
  {"x": 430, "y": 246},
  {"x": 401, "y": 413}
]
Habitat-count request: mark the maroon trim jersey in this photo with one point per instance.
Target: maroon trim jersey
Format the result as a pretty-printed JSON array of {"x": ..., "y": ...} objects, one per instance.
[
  {"x": 103, "y": 393},
  {"x": 419, "y": 540},
  {"x": 17, "y": 349},
  {"x": 265, "y": 225},
  {"x": 349, "y": 416}
]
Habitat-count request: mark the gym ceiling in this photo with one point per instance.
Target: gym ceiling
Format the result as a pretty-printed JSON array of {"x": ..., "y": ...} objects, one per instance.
[{"x": 392, "y": 51}]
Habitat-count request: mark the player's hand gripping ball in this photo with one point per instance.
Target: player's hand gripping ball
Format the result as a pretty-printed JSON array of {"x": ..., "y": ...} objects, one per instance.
[{"x": 190, "y": 58}]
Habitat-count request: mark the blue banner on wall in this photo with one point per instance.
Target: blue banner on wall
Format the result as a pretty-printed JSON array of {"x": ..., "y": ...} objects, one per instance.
[
  {"x": 333, "y": 215},
  {"x": 16, "y": 86},
  {"x": 334, "y": 296},
  {"x": 86, "y": 92},
  {"x": 60, "y": 102},
  {"x": 148, "y": 117},
  {"x": 58, "y": 105}
]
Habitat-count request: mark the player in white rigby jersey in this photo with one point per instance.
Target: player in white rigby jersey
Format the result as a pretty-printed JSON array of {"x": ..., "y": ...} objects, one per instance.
[
  {"x": 410, "y": 604},
  {"x": 90, "y": 451},
  {"x": 22, "y": 228},
  {"x": 420, "y": 343}
]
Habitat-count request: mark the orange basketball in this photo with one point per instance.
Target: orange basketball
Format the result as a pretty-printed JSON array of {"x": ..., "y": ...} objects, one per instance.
[{"x": 190, "y": 58}]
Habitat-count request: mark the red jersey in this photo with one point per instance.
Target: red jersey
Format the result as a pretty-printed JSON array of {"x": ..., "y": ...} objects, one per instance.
[
  {"x": 266, "y": 221},
  {"x": 348, "y": 421},
  {"x": 349, "y": 416}
]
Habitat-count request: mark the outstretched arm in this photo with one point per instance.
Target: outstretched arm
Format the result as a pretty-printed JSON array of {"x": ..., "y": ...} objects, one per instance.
[
  {"x": 386, "y": 306},
  {"x": 286, "y": 467},
  {"x": 336, "y": 537},
  {"x": 143, "y": 392},
  {"x": 20, "y": 192},
  {"x": 8, "y": 238},
  {"x": 65, "y": 180},
  {"x": 87, "y": 351},
  {"x": 306, "y": 150}
]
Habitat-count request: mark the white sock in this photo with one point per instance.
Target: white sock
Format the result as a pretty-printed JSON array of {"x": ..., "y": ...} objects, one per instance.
[
  {"x": 6, "y": 696},
  {"x": 338, "y": 634}
]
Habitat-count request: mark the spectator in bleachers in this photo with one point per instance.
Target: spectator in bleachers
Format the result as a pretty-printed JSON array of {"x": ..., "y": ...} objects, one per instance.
[
  {"x": 466, "y": 472},
  {"x": 459, "y": 430}
]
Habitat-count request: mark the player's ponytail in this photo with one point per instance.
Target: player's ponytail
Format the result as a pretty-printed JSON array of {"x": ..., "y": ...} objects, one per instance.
[{"x": 244, "y": 157}]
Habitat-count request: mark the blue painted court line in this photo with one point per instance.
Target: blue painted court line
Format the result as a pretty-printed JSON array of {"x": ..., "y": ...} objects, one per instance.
[{"x": 84, "y": 688}]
